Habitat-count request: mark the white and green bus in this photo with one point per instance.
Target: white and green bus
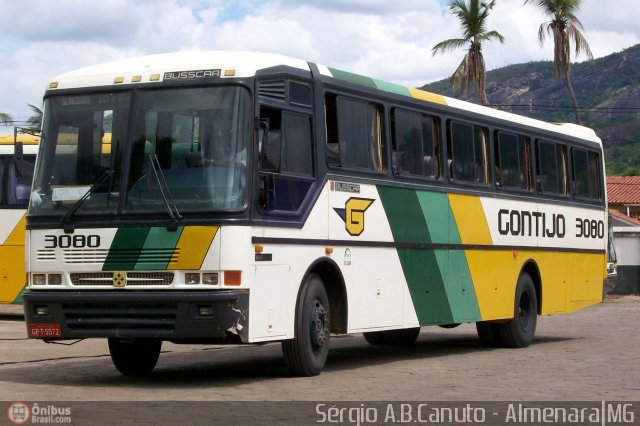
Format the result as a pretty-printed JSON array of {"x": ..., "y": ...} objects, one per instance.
[{"x": 248, "y": 197}]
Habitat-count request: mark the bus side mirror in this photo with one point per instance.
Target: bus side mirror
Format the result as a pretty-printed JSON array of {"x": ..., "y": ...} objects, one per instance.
[{"x": 18, "y": 158}]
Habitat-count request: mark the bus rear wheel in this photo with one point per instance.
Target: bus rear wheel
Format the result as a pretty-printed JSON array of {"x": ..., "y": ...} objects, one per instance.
[
  {"x": 489, "y": 334},
  {"x": 306, "y": 353},
  {"x": 134, "y": 357},
  {"x": 519, "y": 331},
  {"x": 402, "y": 337}
]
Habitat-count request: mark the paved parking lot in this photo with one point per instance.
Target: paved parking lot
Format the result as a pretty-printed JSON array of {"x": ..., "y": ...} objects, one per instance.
[{"x": 590, "y": 355}]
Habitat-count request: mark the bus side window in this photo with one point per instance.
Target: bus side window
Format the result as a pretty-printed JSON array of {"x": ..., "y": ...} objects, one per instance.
[
  {"x": 354, "y": 133},
  {"x": 285, "y": 160},
  {"x": 552, "y": 167},
  {"x": 415, "y": 138},
  {"x": 513, "y": 164},
  {"x": 468, "y": 153},
  {"x": 3, "y": 190},
  {"x": 586, "y": 172}
]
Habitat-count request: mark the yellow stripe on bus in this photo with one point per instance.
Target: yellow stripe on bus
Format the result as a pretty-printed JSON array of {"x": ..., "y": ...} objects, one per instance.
[
  {"x": 12, "y": 268},
  {"x": 193, "y": 246},
  {"x": 472, "y": 223},
  {"x": 427, "y": 96},
  {"x": 493, "y": 286}
]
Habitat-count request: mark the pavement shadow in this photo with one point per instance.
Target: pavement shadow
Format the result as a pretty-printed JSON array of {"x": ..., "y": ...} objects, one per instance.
[{"x": 242, "y": 364}]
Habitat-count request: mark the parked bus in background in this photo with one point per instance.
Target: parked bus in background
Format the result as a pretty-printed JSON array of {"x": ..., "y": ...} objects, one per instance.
[
  {"x": 252, "y": 197},
  {"x": 17, "y": 158}
]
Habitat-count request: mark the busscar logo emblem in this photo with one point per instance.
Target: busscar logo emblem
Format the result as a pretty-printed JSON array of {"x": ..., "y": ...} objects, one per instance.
[
  {"x": 353, "y": 214},
  {"x": 119, "y": 279}
]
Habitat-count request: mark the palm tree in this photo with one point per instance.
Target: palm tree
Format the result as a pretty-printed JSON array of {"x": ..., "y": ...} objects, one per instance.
[
  {"x": 34, "y": 122},
  {"x": 5, "y": 118},
  {"x": 564, "y": 27},
  {"x": 473, "y": 22}
]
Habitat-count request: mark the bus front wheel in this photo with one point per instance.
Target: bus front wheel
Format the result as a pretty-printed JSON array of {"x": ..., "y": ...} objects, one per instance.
[
  {"x": 306, "y": 353},
  {"x": 134, "y": 357}
]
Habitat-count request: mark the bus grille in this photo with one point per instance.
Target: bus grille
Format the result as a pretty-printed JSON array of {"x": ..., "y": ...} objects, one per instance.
[
  {"x": 132, "y": 279},
  {"x": 84, "y": 256},
  {"x": 116, "y": 256},
  {"x": 147, "y": 318},
  {"x": 46, "y": 255}
]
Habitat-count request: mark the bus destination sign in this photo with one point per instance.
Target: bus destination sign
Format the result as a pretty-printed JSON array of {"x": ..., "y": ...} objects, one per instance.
[{"x": 191, "y": 75}]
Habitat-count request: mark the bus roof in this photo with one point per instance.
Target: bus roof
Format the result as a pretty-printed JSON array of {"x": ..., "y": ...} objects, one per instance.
[
  {"x": 156, "y": 68},
  {"x": 25, "y": 138},
  {"x": 232, "y": 64}
]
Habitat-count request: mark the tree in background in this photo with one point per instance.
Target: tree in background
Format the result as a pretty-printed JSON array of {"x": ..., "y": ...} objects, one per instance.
[
  {"x": 34, "y": 122},
  {"x": 473, "y": 22},
  {"x": 5, "y": 118},
  {"x": 564, "y": 27}
]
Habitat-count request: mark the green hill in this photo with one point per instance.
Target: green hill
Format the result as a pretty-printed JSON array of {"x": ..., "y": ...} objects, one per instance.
[{"x": 608, "y": 93}]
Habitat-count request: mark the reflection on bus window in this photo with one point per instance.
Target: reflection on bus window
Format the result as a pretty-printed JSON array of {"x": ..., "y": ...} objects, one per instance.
[
  {"x": 354, "y": 133},
  {"x": 15, "y": 184},
  {"x": 513, "y": 162},
  {"x": 468, "y": 153},
  {"x": 586, "y": 174},
  {"x": 415, "y": 144},
  {"x": 552, "y": 168}
]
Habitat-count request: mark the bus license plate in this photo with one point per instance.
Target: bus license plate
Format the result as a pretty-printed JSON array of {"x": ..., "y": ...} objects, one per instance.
[{"x": 44, "y": 330}]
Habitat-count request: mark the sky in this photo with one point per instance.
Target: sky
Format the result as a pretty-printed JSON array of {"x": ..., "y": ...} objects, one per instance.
[{"x": 384, "y": 39}]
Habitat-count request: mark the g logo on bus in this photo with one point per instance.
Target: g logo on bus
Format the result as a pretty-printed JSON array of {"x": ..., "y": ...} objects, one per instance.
[
  {"x": 353, "y": 214},
  {"x": 119, "y": 279}
]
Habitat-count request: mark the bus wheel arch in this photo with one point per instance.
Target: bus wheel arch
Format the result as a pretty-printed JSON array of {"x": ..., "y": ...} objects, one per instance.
[
  {"x": 531, "y": 268},
  {"x": 334, "y": 284}
]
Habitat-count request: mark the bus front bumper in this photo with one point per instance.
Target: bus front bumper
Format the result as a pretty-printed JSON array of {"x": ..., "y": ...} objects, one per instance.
[{"x": 167, "y": 315}]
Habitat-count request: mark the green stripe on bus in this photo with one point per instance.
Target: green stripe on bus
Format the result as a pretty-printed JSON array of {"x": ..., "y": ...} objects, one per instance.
[
  {"x": 353, "y": 78},
  {"x": 125, "y": 249},
  {"x": 453, "y": 263},
  {"x": 18, "y": 300},
  {"x": 158, "y": 248},
  {"x": 421, "y": 268},
  {"x": 392, "y": 88}
]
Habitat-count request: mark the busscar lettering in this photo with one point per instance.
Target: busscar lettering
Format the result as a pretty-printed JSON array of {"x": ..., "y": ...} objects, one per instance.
[
  {"x": 191, "y": 75},
  {"x": 347, "y": 187}
]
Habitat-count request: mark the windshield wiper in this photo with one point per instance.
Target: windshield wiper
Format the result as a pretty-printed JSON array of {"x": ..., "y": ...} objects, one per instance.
[
  {"x": 66, "y": 220},
  {"x": 169, "y": 204}
]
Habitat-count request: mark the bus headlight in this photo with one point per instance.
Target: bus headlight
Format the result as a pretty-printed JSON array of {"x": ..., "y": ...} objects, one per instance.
[
  {"x": 55, "y": 279},
  {"x": 192, "y": 278},
  {"x": 210, "y": 278},
  {"x": 39, "y": 279}
]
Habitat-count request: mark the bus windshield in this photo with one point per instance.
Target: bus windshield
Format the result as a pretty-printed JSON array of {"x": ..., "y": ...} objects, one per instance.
[{"x": 185, "y": 144}]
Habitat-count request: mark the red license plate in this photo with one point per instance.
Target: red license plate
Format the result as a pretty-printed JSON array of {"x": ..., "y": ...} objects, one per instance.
[{"x": 44, "y": 330}]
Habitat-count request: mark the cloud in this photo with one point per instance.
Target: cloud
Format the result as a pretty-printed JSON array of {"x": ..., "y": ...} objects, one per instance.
[{"x": 381, "y": 38}]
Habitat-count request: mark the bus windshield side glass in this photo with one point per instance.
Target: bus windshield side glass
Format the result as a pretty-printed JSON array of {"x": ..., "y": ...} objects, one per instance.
[{"x": 199, "y": 137}]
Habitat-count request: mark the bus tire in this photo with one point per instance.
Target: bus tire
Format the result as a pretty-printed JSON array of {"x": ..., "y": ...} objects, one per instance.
[
  {"x": 306, "y": 353},
  {"x": 401, "y": 337},
  {"x": 489, "y": 334},
  {"x": 519, "y": 331},
  {"x": 134, "y": 357}
]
